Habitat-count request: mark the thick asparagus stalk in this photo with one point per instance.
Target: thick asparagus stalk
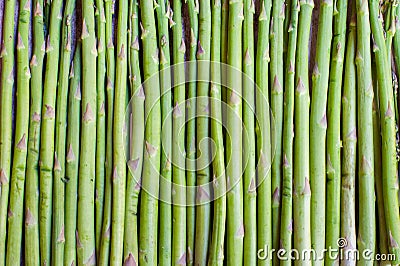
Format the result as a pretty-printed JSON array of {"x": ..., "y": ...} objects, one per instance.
[
  {"x": 131, "y": 253},
  {"x": 216, "y": 251},
  {"x": 203, "y": 209},
  {"x": 32, "y": 174},
  {"x": 333, "y": 142},
  {"x": 86, "y": 183},
  {"x": 110, "y": 75},
  {"x": 264, "y": 195},
  {"x": 249, "y": 143},
  {"x": 178, "y": 141},
  {"x": 48, "y": 131},
  {"x": 16, "y": 202},
  {"x": 101, "y": 119},
  {"x": 301, "y": 174},
  {"x": 365, "y": 153},
  {"x": 388, "y": 130},
  {"x": 72, "y": 158},
  {"x": 286, "y": 231},
  {"x": 193, "y": 7},
  {"x": 151, "y": 163}
]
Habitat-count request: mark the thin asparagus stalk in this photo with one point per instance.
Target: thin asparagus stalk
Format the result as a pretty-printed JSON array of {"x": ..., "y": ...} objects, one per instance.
[
  {"x": 110, "y": 75},
  {"x": 349, "y": 136},
  {"x": 86, "y": 183},
  {"x": 301, "y": 185},
  {"x": 249, "y": 143},
  {"x": 16, "y": 201},
  {"x": 366, "y": 153},
  {"x": 286, "y": 26},
  {"x": 178, "y": 141},
  {"x": 48, "y": 131},
  {"x": 100, "y": 21},
  {"x": 203, "y": 174},
  {"x": 396, "y": 38},
  {"x": 151, "y": 163},
  {"x": 119, "y": 174},
  {"x": 32, "y": 174},
  {"x": 286, "y": 231},
  {"x": 224, "y": 49},
  {"x": 235, "y": 232},
  {"x": 58, "y": 236},
  {"x": 193, "y": 7},
  {"x": 72, "y": 158},
  {"x": 264, "y": 195},
  {"x": 131, "y": 253},
  {"x": 388, "y": 129},
  {"x": 333, "y": 142},
  {"x": 216, "y": 251}
]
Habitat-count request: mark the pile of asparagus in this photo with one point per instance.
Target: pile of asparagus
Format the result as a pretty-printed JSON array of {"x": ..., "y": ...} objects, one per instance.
[{"x": 171, "y": 132}]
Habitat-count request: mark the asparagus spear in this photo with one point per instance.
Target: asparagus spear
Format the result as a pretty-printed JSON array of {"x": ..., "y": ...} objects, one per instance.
[
  {"x": 32, "y": 174},
  {"x": 264, "y": 195},
  {"x": 287, "y": 182},
  {"x": 131, "y": 253},
  {"x": 86, "y": 186},
  {"x": 72, "y": 158},
  {"x": 349, "y": 136},
  {"x": 100, "y": 21},
  {"x": 216, "y": 251},
  {"x": 151, "y": 162},
  {"x": 193, "y": 7},
  {"x": 249, "y": 178},
  {"x": 110, "y": 73},
  {"x": 48, "y": 131},
  {"x": 224, "y": 50},
  {"x": 333, "y": 142},
  {"x": 16, "y": 201},
  {"x": 301, "y": 185},
  {"x": 388, "y": 129},
  {"x": 366, "y": 153}
]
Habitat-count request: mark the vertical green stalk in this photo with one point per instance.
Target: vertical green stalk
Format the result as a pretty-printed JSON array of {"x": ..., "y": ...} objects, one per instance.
[
  {"x": 301, "y": 174},
  {"x": 286, "y": 231},
  {"x": 388, "y": 130},
  {"x": 151, "y": 163},
  {"x": 264, "y": 195},
  {"x": 333, "y": 141},
  {"x": 16, "y": 202},
  {"x": 48, "y": 131},
  {"x": 32, "y": 173},
  {"x": 72, "y": 158},
  {"x": 86, "y": 183},
  {"x": 224, "y": 49},
  {"x": 365, "y": 137},
  {"x": 249, "y": 143}
]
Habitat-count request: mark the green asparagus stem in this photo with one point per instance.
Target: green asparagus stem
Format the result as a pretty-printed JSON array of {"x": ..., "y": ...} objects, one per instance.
[
  {"x": 286, "y": 231},
  {"x": 224, "y": 50},
  {"x": 131, "y": 253},
  {"x": 301, "y": 185},
  {"x": 86, "y": 183},
  {"x": 366, "y": 153},
  {"x": 178, "y": 140},
  {"x": 216, "y": 251},
  {"x": 388, "y": 130},
  {"x": 349, "y": 136},
  {"x": 264, "y": 195},
  {"x": 333, "y": 141},
  {"x": 396, "y": 38},
  {"x": 151, "y": 163},
  {"x": 48, "y": 131},
  {"x": 193, "y": 7},
  {"x": 32, "y": 174},
  {"x": 16, "y": 202},
  {"x": 72, "y": 158},
  {"x": 235, "y": 232},
  {"x": 203, "y": 174},
  {"x": 249, "y": 143},
  {"x": 101, "y": 119},
  {"x": 110, "y": 73}
]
